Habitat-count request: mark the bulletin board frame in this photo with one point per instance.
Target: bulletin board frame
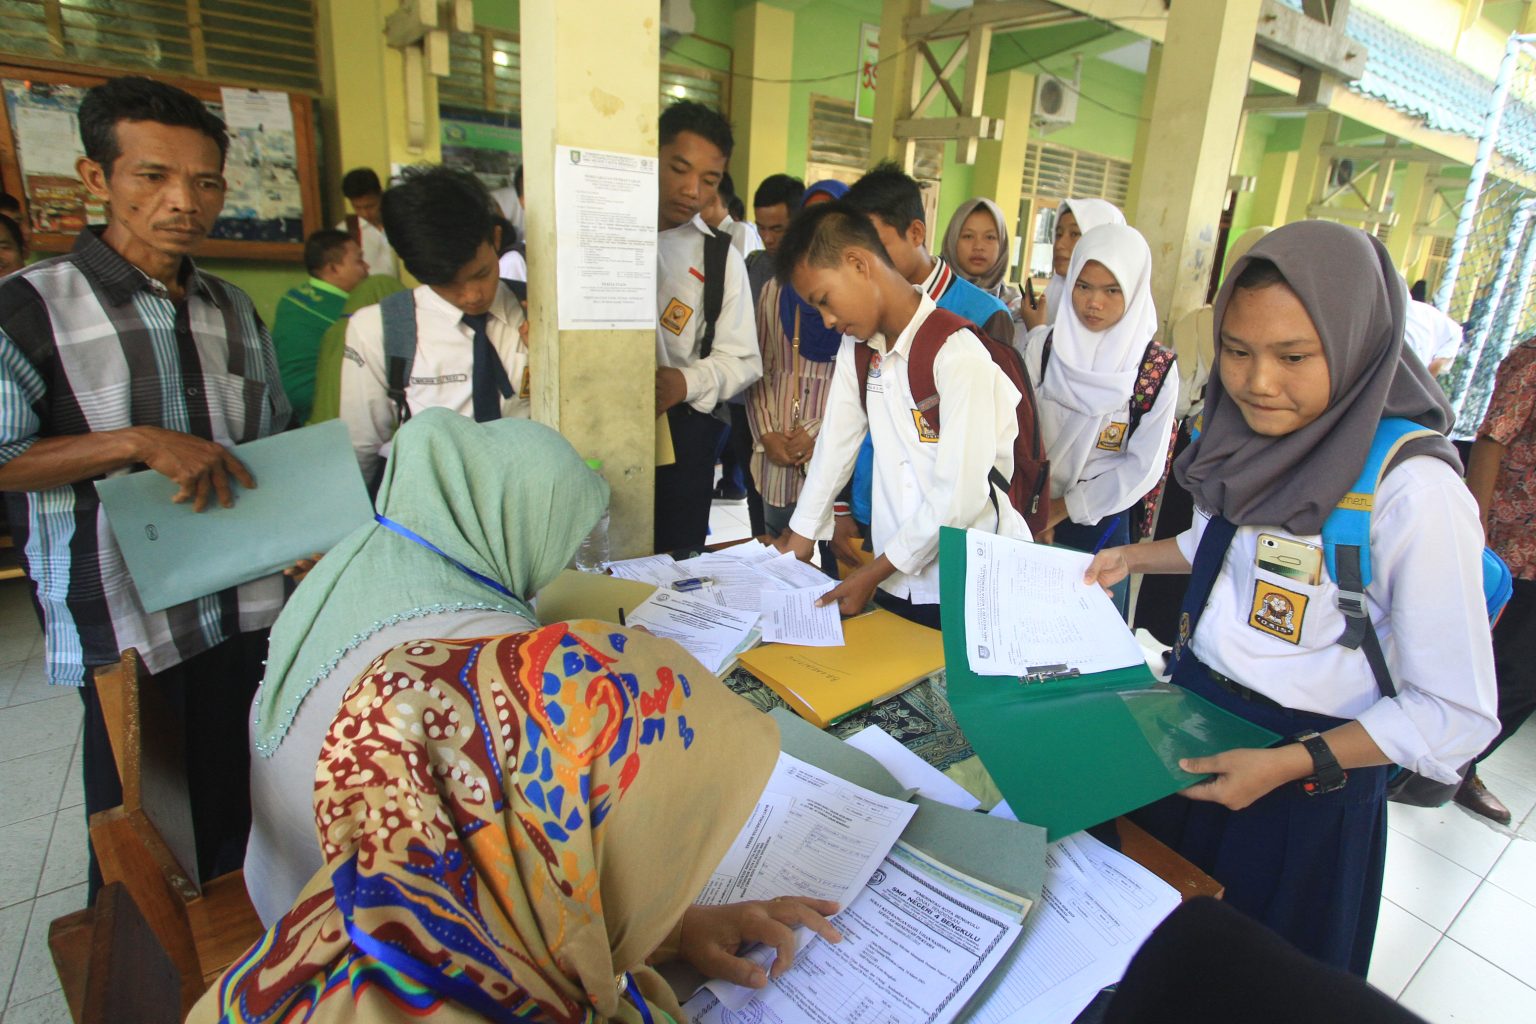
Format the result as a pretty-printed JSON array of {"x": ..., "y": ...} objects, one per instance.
[{"x": 300, "y": 104}]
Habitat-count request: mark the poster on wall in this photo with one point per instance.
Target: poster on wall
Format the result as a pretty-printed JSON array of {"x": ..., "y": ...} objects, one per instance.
[
  {"x": 263, "y": 201},
  {"x": 605, "y": 217},
  {"x": 47, "y": 146},
  {"x": 869, "y": 71},
  {"x": 491, "y": 152}
]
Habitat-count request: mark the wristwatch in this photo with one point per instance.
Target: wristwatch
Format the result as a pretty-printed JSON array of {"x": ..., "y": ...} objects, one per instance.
[{"x": 1327, "y": 776}]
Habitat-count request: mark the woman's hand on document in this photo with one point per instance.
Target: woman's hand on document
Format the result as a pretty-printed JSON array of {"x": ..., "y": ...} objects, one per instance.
[{"x": 712, "y": 936}]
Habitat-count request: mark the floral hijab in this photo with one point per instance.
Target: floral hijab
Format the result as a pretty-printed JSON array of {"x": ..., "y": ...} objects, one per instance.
[{"x": 510, "y": 825}]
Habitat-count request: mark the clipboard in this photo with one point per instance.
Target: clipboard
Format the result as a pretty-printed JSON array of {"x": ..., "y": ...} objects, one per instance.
[{"x": 1074, "y": 750}]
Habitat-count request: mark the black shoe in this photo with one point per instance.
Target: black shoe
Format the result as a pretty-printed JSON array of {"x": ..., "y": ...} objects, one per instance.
[
  {"x": 725, "y": 494},
  {"x": 1474, "y": 796}
]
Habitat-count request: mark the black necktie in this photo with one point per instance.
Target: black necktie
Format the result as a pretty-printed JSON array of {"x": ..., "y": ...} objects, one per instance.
[{"x": 489, "y": 383}]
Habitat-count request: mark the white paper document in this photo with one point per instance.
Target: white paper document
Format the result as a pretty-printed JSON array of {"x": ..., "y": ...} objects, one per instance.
[
  {"x": 1027, "y": 608},
  {"x": 708, "y": 632},
  {"x": 605, "y": 215},
  {"x": 792, "y": 572},
  {"x": 657, "y": 570},
  {"x": 1095, "y": 910},
  {"x": 792, "y": 617},
  {"x": 811, "y": 834},
  {"x": 910, "y": 770},
  {"x": 914, "y": 950}
]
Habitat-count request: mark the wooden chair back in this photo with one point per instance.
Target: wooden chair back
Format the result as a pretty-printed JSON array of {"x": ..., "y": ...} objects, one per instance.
[{"x": 113, "y": 968}]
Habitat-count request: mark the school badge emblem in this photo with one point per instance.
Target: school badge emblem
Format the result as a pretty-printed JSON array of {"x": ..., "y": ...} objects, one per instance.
[
  {"x": 1277, "y": 611},
  {"x": 874, "y": 365},
  {"x": 676, "y": 316},
  {"x": 925, "y": 433},
  {"x": 1112, "y": 437}
]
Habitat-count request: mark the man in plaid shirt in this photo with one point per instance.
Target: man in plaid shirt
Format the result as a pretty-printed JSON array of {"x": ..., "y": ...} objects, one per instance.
[{"x": 123, "y": 355}]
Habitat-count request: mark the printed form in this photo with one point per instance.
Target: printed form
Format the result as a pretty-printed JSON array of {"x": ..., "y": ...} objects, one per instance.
[
  {"x": 792, "y": 617},
  {"x": 811, "y": 834},
  {"x": 915, "y": 948},
  {"x": 1095, "y": 910},
  {"x": 1027, "y": 607},
  {"x": 708, "y": 632}
]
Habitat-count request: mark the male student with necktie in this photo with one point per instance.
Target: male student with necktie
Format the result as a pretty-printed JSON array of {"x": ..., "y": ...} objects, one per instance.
[{"x": 470, "y": 352}]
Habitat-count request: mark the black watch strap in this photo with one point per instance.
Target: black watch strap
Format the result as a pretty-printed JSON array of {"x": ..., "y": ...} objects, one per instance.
[{"x": 1327, "y": 776}]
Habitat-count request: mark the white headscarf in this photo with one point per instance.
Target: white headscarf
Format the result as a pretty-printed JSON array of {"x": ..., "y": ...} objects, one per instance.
[
  {"x": 1093, "y": 373},
  {"x": 1090, "y": 214}
]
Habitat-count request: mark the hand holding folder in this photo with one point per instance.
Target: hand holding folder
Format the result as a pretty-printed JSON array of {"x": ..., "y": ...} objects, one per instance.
[{"x": 1077, "y": 738}]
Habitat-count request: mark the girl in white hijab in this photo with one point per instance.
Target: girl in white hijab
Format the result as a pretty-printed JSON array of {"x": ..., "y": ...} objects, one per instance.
[
  {"x": 1105, "y": 454},
  {"x": 1074, "y": 219}
]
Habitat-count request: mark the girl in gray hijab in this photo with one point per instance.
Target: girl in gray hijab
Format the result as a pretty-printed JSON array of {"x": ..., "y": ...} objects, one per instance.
[{"x": 1309, "y": 360}]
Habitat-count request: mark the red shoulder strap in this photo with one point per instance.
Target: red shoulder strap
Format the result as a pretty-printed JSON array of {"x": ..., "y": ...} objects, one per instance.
[
  {"x": 931, "y": 335},
  {"x": 863, "y": 355}
]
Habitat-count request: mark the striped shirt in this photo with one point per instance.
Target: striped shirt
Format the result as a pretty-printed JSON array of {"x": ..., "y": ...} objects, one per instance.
[
  {"x": 792, "y": 392},
  {"x": 89, "y": 343}
]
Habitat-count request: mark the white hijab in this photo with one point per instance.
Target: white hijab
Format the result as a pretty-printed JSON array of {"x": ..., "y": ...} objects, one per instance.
[
  {"x": 1093, "y": 373},
  {"x": 1090, "y": 213}
]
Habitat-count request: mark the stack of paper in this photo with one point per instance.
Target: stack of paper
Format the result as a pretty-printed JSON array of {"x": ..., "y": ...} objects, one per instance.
[
  {"x": 1096, "y": 909},
  {"x": 710, "y": 633}
]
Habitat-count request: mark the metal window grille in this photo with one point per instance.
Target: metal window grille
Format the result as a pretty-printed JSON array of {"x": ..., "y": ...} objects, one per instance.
[{"x": 839, "y": 145}]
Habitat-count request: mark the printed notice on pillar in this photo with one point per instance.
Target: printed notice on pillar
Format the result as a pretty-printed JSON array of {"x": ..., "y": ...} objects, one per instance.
[{"x": 605, "y": 214}]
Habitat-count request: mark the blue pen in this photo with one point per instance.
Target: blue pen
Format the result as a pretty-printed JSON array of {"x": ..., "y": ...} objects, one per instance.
[{"x": 1105, "y": 539}]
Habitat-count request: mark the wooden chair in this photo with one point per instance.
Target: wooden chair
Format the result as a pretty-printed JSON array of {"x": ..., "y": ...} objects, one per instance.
[
  {"x": 147, "y": 844},
  {"x": 112, "y": 965}
]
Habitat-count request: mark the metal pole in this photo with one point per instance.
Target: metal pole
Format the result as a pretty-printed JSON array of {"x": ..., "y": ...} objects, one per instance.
[
  {"x": 1485, "y": 148},
  {"x": 1483, "y": 358}
]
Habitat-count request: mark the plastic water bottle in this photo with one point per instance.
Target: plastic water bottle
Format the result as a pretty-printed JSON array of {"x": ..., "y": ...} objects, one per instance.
[{"x": 593, "y": 553}]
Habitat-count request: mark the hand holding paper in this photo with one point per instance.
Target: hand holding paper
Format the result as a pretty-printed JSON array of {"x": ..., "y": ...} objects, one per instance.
[{"x": 794, "y": 617}]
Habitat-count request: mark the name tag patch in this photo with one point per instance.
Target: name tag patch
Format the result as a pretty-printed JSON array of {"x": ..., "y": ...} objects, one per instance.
[
  {"x": 676, "y": 316},
  {"x": 925, "y": 433},
  {"x": 872, "y": 383},
  {"x": 1277, "y": 611},
  {"x": 1112, "y": 437},
  {"x": 523, "y": 391}
]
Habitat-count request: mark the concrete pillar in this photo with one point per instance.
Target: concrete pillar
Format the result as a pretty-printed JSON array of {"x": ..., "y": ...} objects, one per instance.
[
  {"x": 1272, "y": 192},
  {"x": 595, "y": 387},
  {"x": 1144, "y": 127},
  {"x": 765, "y": 49},
  {"x": 1321, "y": 129},
  {"x": 899, "y": 80},
  {"x": 1408, "y": 203},
  {"x": 364, "y": 109},
  {"x": 1000, "y": 165},
  {"x": 1195, "y": 118}
]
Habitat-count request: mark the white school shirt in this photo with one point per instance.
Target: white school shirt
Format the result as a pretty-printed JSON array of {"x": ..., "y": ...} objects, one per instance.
[
  {"x": 441, "y": 374},
  {"x": 511, "y": 207},
  {"x": 1430, "y": 333},
  {"x": 376, "y": 251},
  {"x": 744, "y": 236},
  {"x": 734, "y": 361},
  {"x": 1113, "y": 478},
  {"x": 1426, "y": 601},
  {"x": 921, "y": 482},
  {"x": 512, "y": 266}
]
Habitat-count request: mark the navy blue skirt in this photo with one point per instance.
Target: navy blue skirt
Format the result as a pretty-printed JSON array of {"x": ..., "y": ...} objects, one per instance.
[{"x": 1309, "y": 867}]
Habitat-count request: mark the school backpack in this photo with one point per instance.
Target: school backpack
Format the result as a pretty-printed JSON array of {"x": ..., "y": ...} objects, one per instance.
[
  {"x": 1347, "y": 553},
  {"x": 717, "y": 247},
  {"x": 1030, "y": 489},
  {"x": 1156, "y": 361},
  {"x": 398, "y": 315}
]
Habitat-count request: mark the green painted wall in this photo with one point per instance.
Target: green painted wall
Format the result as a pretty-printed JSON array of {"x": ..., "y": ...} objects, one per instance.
[
  {"x": 826, "y": 49},
  {"x": 264, "y": 281},
  {"x": 1249, "y": 163}
]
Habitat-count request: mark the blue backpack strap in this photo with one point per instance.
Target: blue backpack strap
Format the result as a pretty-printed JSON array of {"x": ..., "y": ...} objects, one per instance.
[
  {"x": 1347, "y": 544},
  {"x": 398, "y": 314}
]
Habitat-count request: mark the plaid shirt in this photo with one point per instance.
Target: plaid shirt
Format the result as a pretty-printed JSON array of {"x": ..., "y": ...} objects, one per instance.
[{"x": 89, "y": 343}]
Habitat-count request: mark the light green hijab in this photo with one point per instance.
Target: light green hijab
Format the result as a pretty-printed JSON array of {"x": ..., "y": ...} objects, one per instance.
[{"x": 510, "y": 499}]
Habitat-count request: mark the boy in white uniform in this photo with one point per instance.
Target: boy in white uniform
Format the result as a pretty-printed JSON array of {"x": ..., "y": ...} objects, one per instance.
[
  {"x": 471, "y": 350},
  {"x": 923, "y": 479},
  {"x": 365, "y": 195},
  {"x": 696, "y": 142}
]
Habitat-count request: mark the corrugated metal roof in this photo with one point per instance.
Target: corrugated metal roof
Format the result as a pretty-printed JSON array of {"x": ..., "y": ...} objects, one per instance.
[{"x": 1414, "y": 78}]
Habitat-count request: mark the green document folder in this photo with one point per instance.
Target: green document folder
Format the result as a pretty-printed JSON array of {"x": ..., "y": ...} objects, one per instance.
[
  {"x": 1069, "y": 753},
  {"x": 309, "y": 494}
]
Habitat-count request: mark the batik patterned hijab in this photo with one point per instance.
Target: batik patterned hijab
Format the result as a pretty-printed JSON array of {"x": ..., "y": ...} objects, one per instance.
[{"x": 508, "y": 823}]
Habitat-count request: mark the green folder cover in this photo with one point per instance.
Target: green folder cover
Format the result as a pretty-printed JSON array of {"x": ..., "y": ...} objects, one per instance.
[
  {"x": 309, "y": 494},
  {"x": 1069, "y": 753}
]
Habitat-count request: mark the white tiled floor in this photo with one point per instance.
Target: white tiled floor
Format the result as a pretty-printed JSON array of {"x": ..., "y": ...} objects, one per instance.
[{"x": 1458, "y": 922}]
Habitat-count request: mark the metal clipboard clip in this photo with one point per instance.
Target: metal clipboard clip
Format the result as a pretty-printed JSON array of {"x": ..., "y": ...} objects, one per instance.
[{"x": 1046, "y": 674}]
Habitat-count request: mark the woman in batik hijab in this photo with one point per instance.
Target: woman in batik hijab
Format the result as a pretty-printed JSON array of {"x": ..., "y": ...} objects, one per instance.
[{"x": 513, "y": 827}]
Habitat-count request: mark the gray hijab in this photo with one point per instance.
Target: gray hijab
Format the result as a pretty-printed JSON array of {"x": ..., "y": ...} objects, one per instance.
[{"x": 1347, "y": 283}]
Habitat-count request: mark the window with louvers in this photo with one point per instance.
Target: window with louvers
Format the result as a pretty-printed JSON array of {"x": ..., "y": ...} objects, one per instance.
[
  {"x": 1053, "y": 173},
  {"x": 696, "y": 84},
  {"x": 263, "y": 43},
  {"x": 485, "y": 73},
  {"x": 839, "y": 145}
]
